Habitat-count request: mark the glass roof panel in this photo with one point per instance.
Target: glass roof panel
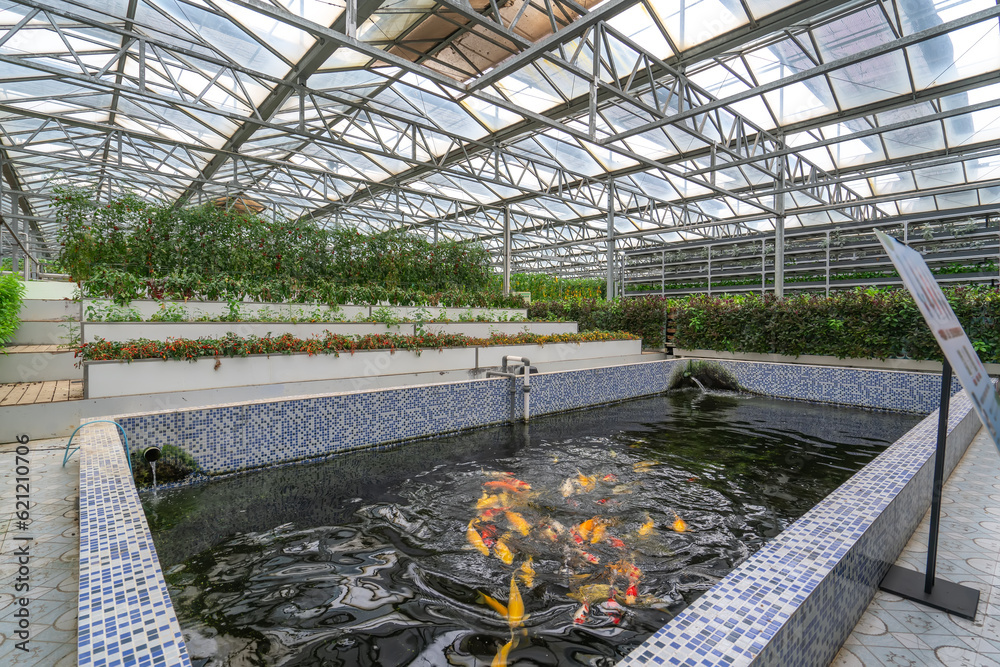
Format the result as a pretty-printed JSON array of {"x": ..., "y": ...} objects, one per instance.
[
  {"x": 988, "y": 196},
  {"x": 692, "y": 22},
  {"x": 939, "y": 176},
  {"x": 957, "y": 55},
  {"x": 291, "y": 42},
  {"x": 914, "y": 140},
  {"x": 984, "y": 168},
  {"x": 214, "y": 31},
  {"x": 872, "y": 80},
  {"x": 637, "y": 24},
  {"x": 761, "y": 8},
  {"x": 973, "y": 128},
  {"x": 528, "y": 89},
  {"x": 801, "y": 101}
]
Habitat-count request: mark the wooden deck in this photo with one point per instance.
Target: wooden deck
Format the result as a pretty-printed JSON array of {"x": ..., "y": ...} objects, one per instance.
[
  {"x": 33, "y": 349},
  {"x": 28, "y": 393}
]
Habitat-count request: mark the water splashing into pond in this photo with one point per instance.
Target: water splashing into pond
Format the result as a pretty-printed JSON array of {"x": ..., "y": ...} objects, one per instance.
[{"x": 366, "y": 559}]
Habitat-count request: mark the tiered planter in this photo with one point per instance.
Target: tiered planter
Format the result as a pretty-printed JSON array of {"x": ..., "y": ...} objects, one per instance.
[
  {"x": 125, "y": 331},
  {"x": 118, "y": 378},
  {"x": 215, "y": 309}
]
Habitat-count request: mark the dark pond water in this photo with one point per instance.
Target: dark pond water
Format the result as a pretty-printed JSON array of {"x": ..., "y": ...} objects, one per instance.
[{"x": 632, "y": 512}]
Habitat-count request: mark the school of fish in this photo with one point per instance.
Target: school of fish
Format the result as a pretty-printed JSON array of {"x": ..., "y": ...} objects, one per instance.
[{"x": 510, "y": 525}]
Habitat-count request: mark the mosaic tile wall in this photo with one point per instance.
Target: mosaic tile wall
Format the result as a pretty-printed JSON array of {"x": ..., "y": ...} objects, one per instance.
[
  {"x": 776, "y": 611},
  {"x": 797, "y": 599},
  {"x": 253, "y": 434},
  {"x": 125, "y": 613}
]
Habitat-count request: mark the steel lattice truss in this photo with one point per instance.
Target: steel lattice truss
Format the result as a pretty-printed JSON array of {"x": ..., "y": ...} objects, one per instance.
[{"x": 686, "y": 118}]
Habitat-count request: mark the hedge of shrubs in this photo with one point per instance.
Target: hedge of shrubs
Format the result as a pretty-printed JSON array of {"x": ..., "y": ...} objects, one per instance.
[
  {"x": 154, "y": 240},
  {"x": 11, "y": 296},
  {"x": 645, "y": 317},
  {"x": 865, "y": 323}
]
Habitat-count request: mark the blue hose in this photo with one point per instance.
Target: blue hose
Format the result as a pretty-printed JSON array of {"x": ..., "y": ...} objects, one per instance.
[{"x": 68, "y": 453}]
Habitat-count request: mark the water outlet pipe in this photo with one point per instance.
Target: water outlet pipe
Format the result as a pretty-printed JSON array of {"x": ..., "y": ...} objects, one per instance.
[
  {"x": 151, "y": 454},
  {"x": 504, "y": 372}
]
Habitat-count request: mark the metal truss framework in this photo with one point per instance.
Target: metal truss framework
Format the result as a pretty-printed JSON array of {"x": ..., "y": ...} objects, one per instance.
[{"x": 633, "y": 124}]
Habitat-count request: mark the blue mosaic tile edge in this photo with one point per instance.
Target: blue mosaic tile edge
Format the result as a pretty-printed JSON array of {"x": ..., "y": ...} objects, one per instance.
[{"x": 125, "y": 616}]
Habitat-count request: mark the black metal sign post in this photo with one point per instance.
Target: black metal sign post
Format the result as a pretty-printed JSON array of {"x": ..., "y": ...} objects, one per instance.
[{"x": 926, "y": 588}]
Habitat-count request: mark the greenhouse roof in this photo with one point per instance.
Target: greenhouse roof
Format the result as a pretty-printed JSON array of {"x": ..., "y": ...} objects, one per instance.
[{"x": 687, "y": 119}]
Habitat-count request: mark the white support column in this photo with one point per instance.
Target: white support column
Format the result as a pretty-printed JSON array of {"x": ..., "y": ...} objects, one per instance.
[
  {"x": 710, "y": 270},
  {"x": 610, "y": 292},
  {"x": 828, "y": 263},
  {"x": 663, "y": 272},
  {"x": 506, "y": 250}
]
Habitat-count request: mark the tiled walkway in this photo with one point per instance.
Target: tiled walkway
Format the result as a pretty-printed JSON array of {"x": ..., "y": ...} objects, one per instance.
[
  {"x": 53, "y": 556},
  {"x": 901, "y": 633}
]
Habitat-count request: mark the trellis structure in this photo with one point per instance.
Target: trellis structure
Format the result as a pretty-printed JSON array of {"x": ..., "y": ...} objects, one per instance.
[{"x": 561, "y": 133}]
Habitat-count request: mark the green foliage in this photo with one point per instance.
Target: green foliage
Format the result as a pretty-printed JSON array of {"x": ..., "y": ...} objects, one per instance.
[
  {"x": 862, "y": 323},
  {"x": 544, "y": 287},
  {"x": 232, "y": 345},
  {"x": 123, "y": 287},
  {"x": 162, "y": 249},
  {"x": 643, "y": 317},
  {"x": 11, "y": 297}
]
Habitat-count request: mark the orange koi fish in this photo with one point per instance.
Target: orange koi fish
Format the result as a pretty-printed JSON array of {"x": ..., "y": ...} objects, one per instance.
[
  {"x": 500, "y": 659},
  {"x": 644, "y": 466},
  {"x": 598, "y": 533},
  {"x": 502, "y": 551},
  {"x": 587, "y": 527},
  {"x": 631, "y": 593},
  {"x": 609, "y": 478},
  {"x": 476, "y": 540},
  {"x": 518, "y": 523},
  {"x": 488, "y": 502},
  {"x": 616, "y": 543},
  {"x": 679, "y": 524},
  {"x": 515, "y": 605},
  {"x": 496, "y": 606},
  {"x": 511, "y": 484},
  {"x": 587, "y": 483},
  {"x": 527, "y": 573},
  {"x": 646, "y": 528}
]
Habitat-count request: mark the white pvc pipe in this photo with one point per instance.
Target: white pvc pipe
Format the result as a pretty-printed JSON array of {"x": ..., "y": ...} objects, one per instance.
[{"x": 526, "y": 365}]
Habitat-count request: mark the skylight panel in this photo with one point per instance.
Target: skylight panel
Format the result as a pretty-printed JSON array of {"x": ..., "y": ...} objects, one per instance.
[
  {"x": 956, "y": 55},
  {"x": 638, "y": 25},
  {"x": 914, "y": 140},
  {"x": 872, "y": 80},
  {"x": 693, "y": 22},
  {"x": 801, "y": 101}
]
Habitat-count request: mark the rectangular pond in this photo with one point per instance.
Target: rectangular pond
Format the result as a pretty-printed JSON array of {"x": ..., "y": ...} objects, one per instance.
[{"x": 606, "y": 523}]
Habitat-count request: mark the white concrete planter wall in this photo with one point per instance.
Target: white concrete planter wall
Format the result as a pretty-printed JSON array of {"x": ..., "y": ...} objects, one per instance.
[
  {"x": 118, "y": 378},
  {"x": 823, "y": 360},
  {"x": 124, "y": 331},
  {"x": 49, "y": 309},
  {"x": 38, "y": 367},
  {"x": 42, "y": 332},
  {"x": 195, "y": 309},
  {"x": 540, "y": 354}
]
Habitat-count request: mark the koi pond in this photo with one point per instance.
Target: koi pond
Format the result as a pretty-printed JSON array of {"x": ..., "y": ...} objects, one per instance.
[{"x": 567, "y": 541}]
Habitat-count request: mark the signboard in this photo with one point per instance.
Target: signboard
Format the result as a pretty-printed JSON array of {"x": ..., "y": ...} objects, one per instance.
[{"x": 948, "y": 331}]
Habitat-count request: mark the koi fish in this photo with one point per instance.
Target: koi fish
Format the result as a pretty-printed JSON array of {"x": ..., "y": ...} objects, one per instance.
[
  {"x": 527, "y": 573},
  {"x": 476, "y": 540},
  {"x": 568, "y": 488},
  {"x": 616, "y": 543},
  {"x": 587, "y": 483},
  {"x": 644, "y": 466},
  {"x": 609, "y": 478},
  {"x": 613, "y": 454},
  {"x": 490, "y": 513},
  {"x": 679, "y": 524},
  {"x": 614, "y": 610},
  {"x": 591, "y": 593},
  {"x": 500, "y": 659},
  {"x": 515, "y": 606},
  {"x": 646, "y": 528},
  {"x": 518, "y": 523},
  {"x": 598, "y": 533},
  {"x": 497, "y": 473},
  {"x": 496, "y": 606},
  {"x": 488, "y": 502},
  {"x": 590, "y": 558},
  {"x": 623, "y": 488},
  {"x": 581, "y": 614},
  {"x": 631, "y": 593},
  {"x": 511, "y": 484},
  {"x": 587, "y": 527},
  {"x": 502, "y": 551}
]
